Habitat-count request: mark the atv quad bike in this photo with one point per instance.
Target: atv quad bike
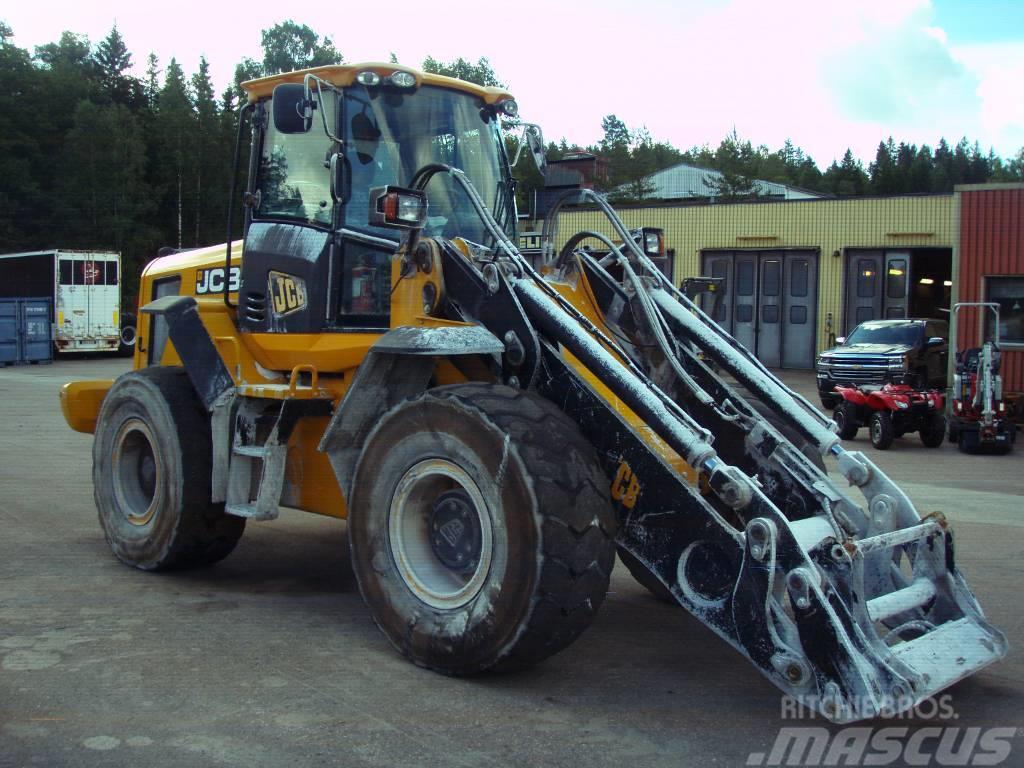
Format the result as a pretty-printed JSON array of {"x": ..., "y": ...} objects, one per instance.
[
  {"x": 493, "y": 431},
  {"x": 891, "y": 411}
]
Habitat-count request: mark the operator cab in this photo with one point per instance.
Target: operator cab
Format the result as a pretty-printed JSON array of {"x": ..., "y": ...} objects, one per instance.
[{"x": 314, "y": 258}]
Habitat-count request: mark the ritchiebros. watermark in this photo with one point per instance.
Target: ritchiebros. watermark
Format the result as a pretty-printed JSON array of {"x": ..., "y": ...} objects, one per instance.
[{"x": 926, "y": 745}]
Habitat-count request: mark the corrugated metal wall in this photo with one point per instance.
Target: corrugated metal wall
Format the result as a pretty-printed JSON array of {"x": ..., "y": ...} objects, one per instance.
[
  {"x": 990, "y": 242},
  {"x": 827, "y": 226}
]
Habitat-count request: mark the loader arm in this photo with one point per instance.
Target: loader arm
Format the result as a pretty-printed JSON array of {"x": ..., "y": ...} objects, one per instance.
[{"x": 853, "y": 606}]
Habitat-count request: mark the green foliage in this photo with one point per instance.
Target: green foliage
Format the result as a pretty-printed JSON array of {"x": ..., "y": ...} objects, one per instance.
[
  {"x": 92, "y": 157},
  {"x": 289, "y": 46},
  {"x": 480, "y": 73},
  {"x": 112, "y": 61}
]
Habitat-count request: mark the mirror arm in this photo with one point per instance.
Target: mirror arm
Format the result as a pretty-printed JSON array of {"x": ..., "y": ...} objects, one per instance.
[{"x": 320, "y": 96}]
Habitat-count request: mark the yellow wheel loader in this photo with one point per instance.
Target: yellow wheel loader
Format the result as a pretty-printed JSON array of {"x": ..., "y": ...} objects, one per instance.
[{"x": 376, "y": 348}]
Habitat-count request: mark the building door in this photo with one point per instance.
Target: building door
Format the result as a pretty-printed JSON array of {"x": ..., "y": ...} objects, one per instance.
[
  {"x": 896, "y": 284},
  {"x": 863, "y": 288},
  {"x": 719, "y": 265},
  {"x": 745, "y": 300},
  {"x": 768, "y": 302},
  {"x": 897, "y": 278},
  {"x": 769, "y": 299},
  {"x": 800, "y": 282}
]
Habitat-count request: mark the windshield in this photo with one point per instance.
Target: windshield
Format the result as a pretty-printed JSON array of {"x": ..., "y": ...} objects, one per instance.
[
  {"x": 389, "y": 136},
  {"x": 886, "y": 333}
]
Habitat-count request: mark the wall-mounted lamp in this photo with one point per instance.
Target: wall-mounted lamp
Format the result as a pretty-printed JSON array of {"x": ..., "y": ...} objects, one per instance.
[{"x": 836, "y": 253}]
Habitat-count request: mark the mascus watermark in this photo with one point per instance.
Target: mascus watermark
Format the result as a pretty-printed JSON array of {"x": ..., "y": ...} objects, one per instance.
[{"x": 934, "y": 744}]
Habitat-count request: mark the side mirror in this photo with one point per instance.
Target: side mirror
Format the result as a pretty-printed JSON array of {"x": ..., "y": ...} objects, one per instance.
[
  {"x": 398, "y": 207},
  {"x": 535, "y": 141},
  {"x": 293, "y": 108},
  {"x": 840, "y": 340},
  {"x": 533, "y": 138},
  {"x": 935, "y": 341}
]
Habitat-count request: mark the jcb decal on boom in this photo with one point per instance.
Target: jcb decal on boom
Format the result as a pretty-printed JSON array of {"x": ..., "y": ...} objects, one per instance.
[
  {"x": 212, "y": 280},
  {"x": 287, "y": 293},
  {"x": 625, "y": 488}
]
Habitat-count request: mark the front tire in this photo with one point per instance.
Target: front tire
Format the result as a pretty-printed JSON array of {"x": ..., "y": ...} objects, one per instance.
[
  {"x": 845, "y": 418},
  {"x": 152, "y": 459},
  {"x": 480, "y": 528},
  {"x": 881, "y": 429}
]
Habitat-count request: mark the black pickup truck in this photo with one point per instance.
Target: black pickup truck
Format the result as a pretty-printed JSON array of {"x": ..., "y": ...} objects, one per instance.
[{"x": 878, "y": 352}]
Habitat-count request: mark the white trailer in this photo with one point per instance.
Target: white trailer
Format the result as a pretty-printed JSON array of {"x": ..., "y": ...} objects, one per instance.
[{"x": 85, "y": 287}]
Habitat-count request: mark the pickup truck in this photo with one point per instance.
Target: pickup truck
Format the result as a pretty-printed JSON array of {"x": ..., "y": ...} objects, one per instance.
[{"x": 877, "y": 352}]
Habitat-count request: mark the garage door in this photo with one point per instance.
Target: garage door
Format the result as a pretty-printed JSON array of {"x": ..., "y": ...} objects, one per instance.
[{"x": 769, "y": 302}]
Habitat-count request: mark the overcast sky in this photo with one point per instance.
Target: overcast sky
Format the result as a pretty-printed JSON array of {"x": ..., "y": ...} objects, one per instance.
[{"x": 826, "y": 75}]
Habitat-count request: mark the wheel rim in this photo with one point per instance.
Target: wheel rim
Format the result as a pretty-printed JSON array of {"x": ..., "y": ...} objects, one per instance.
[
  {"x": 136, "y": 472},
  {"x": 439, "y": 532}
]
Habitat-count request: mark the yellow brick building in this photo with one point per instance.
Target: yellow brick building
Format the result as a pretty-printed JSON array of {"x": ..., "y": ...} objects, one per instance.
[{"x": 909, "y": 239}]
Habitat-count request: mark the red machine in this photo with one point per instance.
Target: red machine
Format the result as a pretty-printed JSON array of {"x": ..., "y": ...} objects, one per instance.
[
  {"x": 889, "y": 412},
  {"x": 979, "y": 420}
]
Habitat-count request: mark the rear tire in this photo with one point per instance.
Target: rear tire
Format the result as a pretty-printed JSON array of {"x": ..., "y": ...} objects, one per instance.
[
  {"x": 934, "y": 431},
  {"x": 152, "y": 460},
  {"x": 535, "y": 528},
  {"x": 881, "y": 429},
  {"x": 846, "y": 419}
]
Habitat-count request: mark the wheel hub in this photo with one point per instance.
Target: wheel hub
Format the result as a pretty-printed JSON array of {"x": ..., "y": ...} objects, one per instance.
[
  {"x": 440, "y": 535},
  {"x": 455, "y": 536},
  {"x": 136, "y": 472}
]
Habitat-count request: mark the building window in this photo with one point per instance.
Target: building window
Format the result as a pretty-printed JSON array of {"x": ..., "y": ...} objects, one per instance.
[
  {"x": 745, "y": 278},
  {"x": 897, "y": 279},
  {"x": 772, "y": 271},
  {"x": 798, "y": 278},
  {"x": 865, "y": 279},
  {"x": 1008, "y": 293}
]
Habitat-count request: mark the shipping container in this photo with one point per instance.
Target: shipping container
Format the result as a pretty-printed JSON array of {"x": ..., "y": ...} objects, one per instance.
[
  {"x": 25, "y": 331},
  {"x": 84, "y": 292}
]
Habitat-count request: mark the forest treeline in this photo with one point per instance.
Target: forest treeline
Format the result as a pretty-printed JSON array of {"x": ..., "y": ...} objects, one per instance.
[{"x": 92, "y": 156}]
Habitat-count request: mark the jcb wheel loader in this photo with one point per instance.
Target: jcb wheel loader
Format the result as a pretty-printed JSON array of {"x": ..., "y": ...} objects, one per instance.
[{"x": 377, "y": 349}]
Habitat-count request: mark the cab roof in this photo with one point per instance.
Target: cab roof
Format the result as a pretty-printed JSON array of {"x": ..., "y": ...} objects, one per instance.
[{"x": 342, "y": 75}]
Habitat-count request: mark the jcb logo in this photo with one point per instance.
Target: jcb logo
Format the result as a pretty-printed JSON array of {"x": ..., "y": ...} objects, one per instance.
[
  {"x": 626, "y": 487},
  {"x": 287, "y": 293},
  {"x": 212, "y": 280}
]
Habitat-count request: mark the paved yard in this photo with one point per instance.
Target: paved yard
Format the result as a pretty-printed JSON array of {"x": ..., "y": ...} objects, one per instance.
[{"x": 270, "y": 658}]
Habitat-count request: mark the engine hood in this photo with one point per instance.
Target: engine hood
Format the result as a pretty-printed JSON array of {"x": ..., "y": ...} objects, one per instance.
[{"x": 868, "y": 349}]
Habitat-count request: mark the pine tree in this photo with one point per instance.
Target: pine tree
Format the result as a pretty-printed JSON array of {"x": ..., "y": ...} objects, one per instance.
[
  {"x": 112, "y": 60},
  {"x": 175, "y": 138},
  {"x": 480, "y": 73}
]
